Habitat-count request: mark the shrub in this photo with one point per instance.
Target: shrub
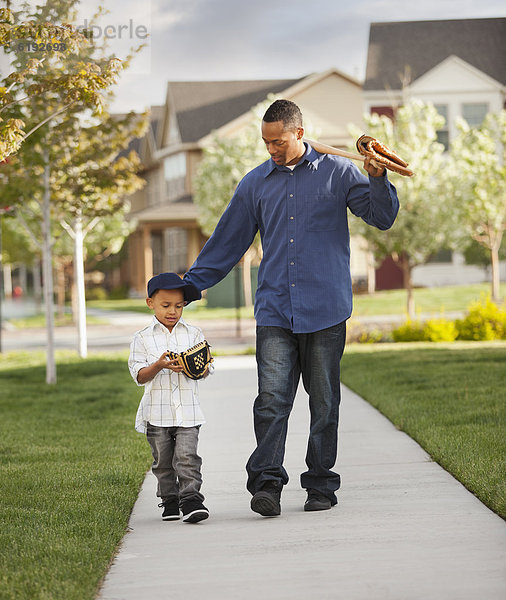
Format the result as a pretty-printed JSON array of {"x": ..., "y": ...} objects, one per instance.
[
  {"x": 96, "y": 293},
  {"x": 119, "y": 293},
  {"x": 410, "y": 331},
  {"x": 373, "y": 336},
  {"x": 440, "y": 330},
  {"x": 485, "y": 321}
]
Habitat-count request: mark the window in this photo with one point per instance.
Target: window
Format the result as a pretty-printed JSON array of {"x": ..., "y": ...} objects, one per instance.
[
  {"x": 176, "y": 249},
  {"x": 157, "y": 250},
  {"x": 474, "y": 113},
  {"x": 443, "y": 134},
  {"x": 174, "y": 168},
  {"x": 387, "y": 111}
]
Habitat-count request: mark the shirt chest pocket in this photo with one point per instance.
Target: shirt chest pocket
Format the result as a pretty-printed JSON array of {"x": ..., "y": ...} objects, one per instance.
[{"x": 321, "y": 212}]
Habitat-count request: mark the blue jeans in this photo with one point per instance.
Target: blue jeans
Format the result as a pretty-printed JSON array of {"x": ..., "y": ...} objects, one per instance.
[{"x": 282, "y": 356}]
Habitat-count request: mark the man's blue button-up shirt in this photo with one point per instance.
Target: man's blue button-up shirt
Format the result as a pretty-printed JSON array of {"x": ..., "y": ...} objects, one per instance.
[{"x": 304, "y": 280}]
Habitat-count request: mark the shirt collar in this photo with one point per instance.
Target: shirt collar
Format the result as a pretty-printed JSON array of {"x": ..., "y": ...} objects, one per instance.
[
  {"x": 156, "y": 323},
  {"x": 310, "y": 156}
]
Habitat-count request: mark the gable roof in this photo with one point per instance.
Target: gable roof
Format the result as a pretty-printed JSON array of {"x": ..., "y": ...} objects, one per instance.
[
  {"x": 421, "y": 45},
  {"x": 202, "y": 106}
]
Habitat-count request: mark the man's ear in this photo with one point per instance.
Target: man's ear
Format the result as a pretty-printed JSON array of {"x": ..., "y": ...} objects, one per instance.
[{"x": 300, "y": 133}]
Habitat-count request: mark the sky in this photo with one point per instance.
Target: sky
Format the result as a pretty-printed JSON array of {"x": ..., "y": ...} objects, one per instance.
[{"x": 195, "y": 40}]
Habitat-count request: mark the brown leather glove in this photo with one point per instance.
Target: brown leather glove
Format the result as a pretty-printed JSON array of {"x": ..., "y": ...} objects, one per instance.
[
  {"x": 382, "y": 156},
  {"x": 195, "y": 360}
]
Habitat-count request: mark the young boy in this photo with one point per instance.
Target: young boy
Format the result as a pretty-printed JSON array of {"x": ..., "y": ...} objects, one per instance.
[{"x": 169, "y": 412}]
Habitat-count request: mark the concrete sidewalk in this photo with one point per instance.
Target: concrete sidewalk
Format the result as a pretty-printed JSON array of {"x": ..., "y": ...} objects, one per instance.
[{"x": 404, "y": 528}]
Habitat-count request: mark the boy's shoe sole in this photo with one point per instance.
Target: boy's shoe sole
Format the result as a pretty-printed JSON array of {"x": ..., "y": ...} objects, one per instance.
[
  {"x": 171, "y": 518},
  {"x": 265, "y": 504},
  {"x": 196, "y": 516}
]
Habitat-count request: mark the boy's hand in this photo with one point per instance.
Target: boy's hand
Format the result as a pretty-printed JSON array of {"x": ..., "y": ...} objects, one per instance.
[{"x": 166, "y": 363}]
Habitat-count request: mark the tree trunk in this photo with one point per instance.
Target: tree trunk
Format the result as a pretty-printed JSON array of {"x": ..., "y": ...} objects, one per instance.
[
  {"x": 80, "y": 289},
  {"x": 407, "y": 281},
  {"x": 37, "y": 285},
  {"x": 47, "y": 270},
  {"x": 496, "y": 280}
]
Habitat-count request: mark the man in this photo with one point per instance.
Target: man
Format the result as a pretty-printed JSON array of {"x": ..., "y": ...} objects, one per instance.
[{"x": 298, "y": 200}]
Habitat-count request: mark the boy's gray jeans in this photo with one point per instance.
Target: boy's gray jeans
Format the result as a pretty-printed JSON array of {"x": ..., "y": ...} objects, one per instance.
[{"x": 176, "y": 463}]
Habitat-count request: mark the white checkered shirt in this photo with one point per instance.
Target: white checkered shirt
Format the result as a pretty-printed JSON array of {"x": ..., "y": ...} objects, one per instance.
[{"x": 170, "y": 399}]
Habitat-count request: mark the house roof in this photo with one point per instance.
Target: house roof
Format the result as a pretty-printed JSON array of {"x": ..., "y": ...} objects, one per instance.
[
  {"x": 421, "y": 45},
  {"x": 203, "y": 106}
]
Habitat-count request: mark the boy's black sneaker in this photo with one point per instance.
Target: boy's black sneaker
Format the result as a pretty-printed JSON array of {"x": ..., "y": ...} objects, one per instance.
[
  {"x": 316, "y": 501},
  {"x": 266, "y": 502},
  {"x": 170, "y": 510},
  {"x": 194, "y": 511}
]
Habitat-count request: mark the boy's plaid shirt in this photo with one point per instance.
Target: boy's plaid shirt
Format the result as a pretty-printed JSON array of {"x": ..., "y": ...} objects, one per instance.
[{"x": 170, "y": 399}]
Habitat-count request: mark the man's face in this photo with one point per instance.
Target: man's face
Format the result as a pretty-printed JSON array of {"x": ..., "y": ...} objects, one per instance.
[
  {"x": 284, "y": 146},
  {"x": 168, "y": 306}
]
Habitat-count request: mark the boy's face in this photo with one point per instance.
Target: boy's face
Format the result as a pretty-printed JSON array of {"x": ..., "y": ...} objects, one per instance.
[{"x": 168, "y": 306}]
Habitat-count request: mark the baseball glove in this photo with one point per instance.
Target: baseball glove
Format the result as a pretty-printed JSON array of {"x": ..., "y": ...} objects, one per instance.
[
  {"x": 381, "y": 155},
  {"x": 194, "y": 361}
]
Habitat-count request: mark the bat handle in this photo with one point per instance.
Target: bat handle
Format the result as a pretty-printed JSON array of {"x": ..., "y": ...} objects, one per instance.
[{"x": 325, "y": 149}]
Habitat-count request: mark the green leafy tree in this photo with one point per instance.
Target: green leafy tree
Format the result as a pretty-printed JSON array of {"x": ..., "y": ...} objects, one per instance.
[
  {"x": 478, "y": 184},
  {"x": 79, "y": 83},
  {"x": 66, "y": 173},
  {"x": 425, "y": 221}
]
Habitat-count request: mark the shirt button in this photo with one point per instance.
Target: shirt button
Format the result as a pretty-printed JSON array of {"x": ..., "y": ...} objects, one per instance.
[
  {"x": 292, "y": 263},
  {"x": 291, "y": 218},
  {"x": 291, "y": 174},
  {"x": 291, "y": 195},
  {"x": 291, "y": 240},
  {"x": 293, "y": 284}
]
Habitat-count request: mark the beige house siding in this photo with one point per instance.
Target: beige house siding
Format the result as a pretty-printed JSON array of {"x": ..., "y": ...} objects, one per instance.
[{"x": 330, "y": 106}]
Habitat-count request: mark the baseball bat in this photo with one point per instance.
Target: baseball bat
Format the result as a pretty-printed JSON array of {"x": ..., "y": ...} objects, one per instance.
[{"x": 325, "y": 149}]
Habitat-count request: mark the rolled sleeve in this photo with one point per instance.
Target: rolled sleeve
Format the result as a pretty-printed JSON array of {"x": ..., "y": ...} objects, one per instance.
[{"x": 137, "y": 359}]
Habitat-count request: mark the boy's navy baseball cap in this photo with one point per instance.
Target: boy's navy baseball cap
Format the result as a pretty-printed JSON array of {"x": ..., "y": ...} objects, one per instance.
[{"x": 172, "y": 281}]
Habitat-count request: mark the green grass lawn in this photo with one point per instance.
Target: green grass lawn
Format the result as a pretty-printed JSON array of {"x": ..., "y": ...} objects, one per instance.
[
  {"x": 40, "y": 321},
  {"x": 389, "y": 302},
  {"x": 71, "y": 469},
  {"x": 449, "y": 397},
  {"x": 427, "y": 300}
]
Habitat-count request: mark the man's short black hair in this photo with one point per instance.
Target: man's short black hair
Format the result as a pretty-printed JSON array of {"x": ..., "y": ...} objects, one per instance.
[{"x": 286, "y": 111}]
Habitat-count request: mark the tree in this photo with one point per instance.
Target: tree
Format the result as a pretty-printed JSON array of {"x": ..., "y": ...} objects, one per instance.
[
  {"x": 479, "y": 185},
  {"x": 426, "y": 220},
  {"x": 82, "y": 84},
  {"x": 65, "y": 95},
  {"x": 92, "y": 184}
]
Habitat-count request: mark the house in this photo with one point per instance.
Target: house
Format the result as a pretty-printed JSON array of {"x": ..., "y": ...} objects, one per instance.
[
  {"x": 167, "y": 236},
  {"x": 459, "y": 66}
]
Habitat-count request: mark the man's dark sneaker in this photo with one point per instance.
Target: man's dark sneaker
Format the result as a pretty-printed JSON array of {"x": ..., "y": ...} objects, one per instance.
[
  {"x": 316, "y": 501},
  {"x": 266, "y": 501},
  {"x": 170, "y": 510},
  {"x": 194, "y": 511}
]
